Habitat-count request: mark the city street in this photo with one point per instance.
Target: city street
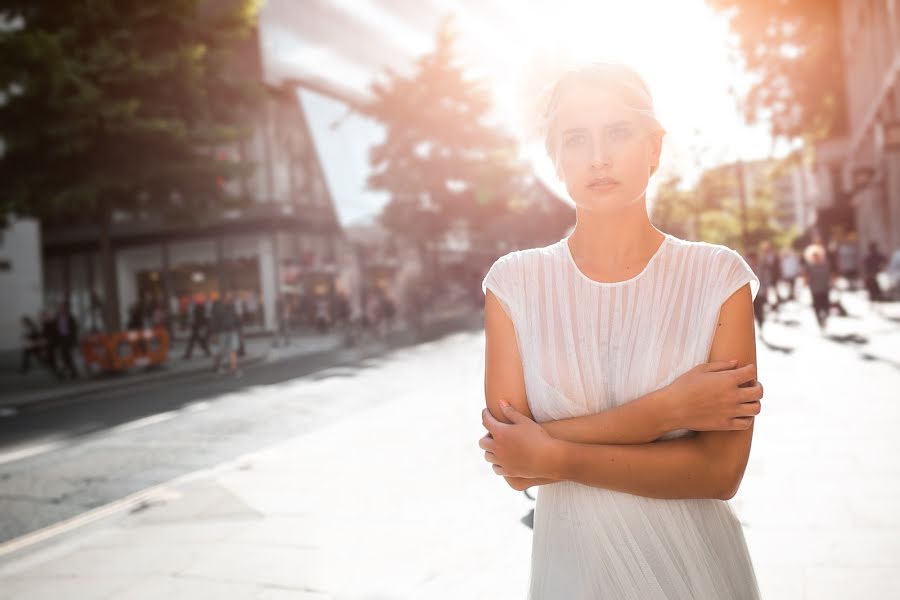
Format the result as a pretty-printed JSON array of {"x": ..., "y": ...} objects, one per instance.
[{"x": 366, "y": 481}]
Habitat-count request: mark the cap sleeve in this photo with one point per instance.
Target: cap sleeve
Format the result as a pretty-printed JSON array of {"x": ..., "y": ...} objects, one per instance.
[
  {"x": 500, "y": 279},
  {"x": 732, "y": 273}
]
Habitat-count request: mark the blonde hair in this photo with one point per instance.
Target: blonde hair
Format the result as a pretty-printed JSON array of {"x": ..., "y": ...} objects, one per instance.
[{"x": 618, "y": 79}]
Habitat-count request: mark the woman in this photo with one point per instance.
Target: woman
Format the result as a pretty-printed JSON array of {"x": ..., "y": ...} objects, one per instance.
[{"x": 619, "y": 372}]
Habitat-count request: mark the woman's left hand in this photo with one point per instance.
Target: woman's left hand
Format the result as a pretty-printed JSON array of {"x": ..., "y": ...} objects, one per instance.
[{"x": 518, "y": 449}]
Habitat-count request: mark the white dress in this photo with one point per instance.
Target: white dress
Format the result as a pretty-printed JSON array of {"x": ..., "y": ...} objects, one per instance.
[{"x": 586, "y": 347}]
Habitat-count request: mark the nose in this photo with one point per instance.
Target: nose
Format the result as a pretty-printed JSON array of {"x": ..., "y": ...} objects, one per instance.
[{"x": 600, "y": 157}]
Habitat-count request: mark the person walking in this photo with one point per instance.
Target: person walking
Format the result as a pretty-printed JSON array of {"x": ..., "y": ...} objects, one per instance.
[
  {"x": 199, "y": 331},
  {"x": 33, "y": 345},
  {"x": 67, "y": 339},
  {"x": 819, "y": 279},
  {"x": 769, "y": 274},
  {"x": 873, "y": 262},
  {"x": 790, "y": 271},
  {"x": 848, "y": 262},
  {"x": 51, "y": 341},
  {"x": 225, "y": 326},
  {"x": 760, "y": 300}
]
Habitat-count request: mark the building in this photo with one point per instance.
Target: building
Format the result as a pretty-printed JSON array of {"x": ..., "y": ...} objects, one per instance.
[
  {"x": 862, "y": 170},
  {"x": 21, "y": 281},
  {"x": 308, "y": 190}
]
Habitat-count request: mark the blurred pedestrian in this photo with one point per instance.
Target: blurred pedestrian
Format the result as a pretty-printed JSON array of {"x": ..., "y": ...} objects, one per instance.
[
  {"x": 760, "y": 301},
  {"x": 199, "y": 331},
  {"x": 790, "y": 271},
  {"x": 819, "y": 278},
  {"x": 323, "y": 315},
  {"x": 848, "y": 260},
  {"x": 769, "y": 273},
  {"x": 872, "y": 264},
  {"x": 51, "y": 340},
  {"x": 135, "y": 317},
  {"x": 32, "y": 343},
  {"x": 225, "y": 326},
  {"x": 67, "y": 338}
]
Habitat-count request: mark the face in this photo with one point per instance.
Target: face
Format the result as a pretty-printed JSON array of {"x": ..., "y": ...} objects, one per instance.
[{"x": 605, "y": 152}]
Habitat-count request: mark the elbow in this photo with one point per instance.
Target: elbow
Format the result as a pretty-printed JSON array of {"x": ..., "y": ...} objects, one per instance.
[{"x": 729, "y": 483}]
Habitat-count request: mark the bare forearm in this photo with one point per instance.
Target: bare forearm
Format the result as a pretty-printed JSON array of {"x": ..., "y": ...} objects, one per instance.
[
  {"x": 636, "y": 422},
  {"x": 668, "y": 469},
  {"x": 640, "y": 421}
]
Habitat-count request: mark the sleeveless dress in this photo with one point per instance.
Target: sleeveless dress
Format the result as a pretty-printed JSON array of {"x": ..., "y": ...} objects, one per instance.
[{"x": 588, "y": 346}]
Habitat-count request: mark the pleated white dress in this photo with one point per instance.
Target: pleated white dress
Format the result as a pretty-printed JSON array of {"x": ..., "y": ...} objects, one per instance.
[{"x": 586, "y": 347}]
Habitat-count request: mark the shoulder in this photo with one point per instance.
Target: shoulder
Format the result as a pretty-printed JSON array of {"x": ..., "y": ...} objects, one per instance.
[
  {"x": 719, "y": 268},
  {"x": 521, "y": 260},
  {"x": 712, "y": 256},
  {"x": 712, "y": 253}
]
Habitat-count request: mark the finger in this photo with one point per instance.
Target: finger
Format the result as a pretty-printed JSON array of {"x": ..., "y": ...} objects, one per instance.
[
  {"x": 720, "y": 365},
  {"x": 490, "y": 457},
  {"x": 744, "y": 374},
  {"x": 752, "y": 393},
  {"x": 749, "y": 409},
  {"x": 510, "y": 412},
  {"x": 486, "y": 443},
  {"x": 741, "y": 423},
  {"x": 498, "y": 469},
  {"x": 489, "y": 422}
]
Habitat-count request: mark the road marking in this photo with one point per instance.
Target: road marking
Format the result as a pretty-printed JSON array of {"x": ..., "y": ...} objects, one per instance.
[
  {"x": 144, "y": 422},
  {"x": 33, "y": 450}
]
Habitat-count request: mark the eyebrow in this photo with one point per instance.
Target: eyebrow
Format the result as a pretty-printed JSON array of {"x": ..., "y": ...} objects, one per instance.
[{"x": 607, "y": 126}]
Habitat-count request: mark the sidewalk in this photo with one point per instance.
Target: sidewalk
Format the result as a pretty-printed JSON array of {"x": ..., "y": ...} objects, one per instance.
[
  {"x": 395, "y": 500},
  {"x": 40, "y": 386},
  {"x": 18, "y": 391}
]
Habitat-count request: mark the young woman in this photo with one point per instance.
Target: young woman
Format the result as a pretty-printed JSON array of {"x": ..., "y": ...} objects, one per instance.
[{"x": 619, "y": 372}]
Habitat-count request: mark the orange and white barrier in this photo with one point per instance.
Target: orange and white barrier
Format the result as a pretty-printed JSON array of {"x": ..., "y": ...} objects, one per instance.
[{"x": 123, "y": 350}]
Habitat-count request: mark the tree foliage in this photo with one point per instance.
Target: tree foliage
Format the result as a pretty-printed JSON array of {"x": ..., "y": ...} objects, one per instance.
[
  {"x": 118, "y": 104},
  {"x": 121, "y": 106},
  {"x": 441, "y": 161},
  {"x": 710, "y": 211},
  {"x": 793, "y": 50}
]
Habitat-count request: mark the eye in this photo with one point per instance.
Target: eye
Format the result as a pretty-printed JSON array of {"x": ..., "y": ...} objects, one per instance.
[
  {"x": 620, "y": 133},
  {"x": 576, "y": 139}
]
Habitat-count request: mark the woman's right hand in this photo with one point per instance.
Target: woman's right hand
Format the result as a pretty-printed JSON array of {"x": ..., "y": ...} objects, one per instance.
[{"x": 715, "y": 397}]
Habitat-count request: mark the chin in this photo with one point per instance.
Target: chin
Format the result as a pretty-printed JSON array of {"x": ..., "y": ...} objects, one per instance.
[{"x": 609, "y": 204}]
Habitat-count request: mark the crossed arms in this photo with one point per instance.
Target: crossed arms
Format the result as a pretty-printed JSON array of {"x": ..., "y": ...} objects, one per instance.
[{"x": 615, "y": 449}]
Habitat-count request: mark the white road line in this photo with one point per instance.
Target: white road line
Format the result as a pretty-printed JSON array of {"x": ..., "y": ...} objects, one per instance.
[
  {"x": 144, "y": 422},
  {"x": 32, "y": 450}
]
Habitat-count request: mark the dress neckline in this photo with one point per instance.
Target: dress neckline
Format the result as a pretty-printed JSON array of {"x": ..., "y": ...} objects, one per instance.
[{"x": 571, "y": 259}]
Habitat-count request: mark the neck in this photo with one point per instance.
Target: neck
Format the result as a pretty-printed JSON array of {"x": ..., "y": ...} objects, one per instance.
[{"x": 614, "y": 238}]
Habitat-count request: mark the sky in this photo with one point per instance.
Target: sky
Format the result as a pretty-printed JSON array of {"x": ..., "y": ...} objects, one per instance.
[{"x": 681, "y": 48}]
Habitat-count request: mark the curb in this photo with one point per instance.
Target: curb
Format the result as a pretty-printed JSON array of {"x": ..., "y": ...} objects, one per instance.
[{"x": 49, "y": 397}]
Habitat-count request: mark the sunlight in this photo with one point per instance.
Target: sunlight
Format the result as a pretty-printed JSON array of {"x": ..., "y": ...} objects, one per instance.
[{"x": 681, "y": 49}]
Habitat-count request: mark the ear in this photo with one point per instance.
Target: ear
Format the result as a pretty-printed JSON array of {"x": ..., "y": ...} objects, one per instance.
[{"x": 655, "y": 150}]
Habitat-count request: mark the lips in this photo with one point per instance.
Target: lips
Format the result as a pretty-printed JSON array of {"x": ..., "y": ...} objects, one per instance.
[{"x": 602, "y": 183}]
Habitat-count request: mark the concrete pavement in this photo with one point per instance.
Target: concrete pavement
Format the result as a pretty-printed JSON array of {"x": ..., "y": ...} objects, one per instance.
[{"x": 396, "y": 501}]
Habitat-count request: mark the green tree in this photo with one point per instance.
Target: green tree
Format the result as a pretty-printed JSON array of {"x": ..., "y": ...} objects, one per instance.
[
  {"x": 440, "y": 161},
  {"x": 672, "y": 209},
  {"x": 119, "y": 106},
  {"x": 792, "y": 47},
  {"x": 710, "y": 211}
]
